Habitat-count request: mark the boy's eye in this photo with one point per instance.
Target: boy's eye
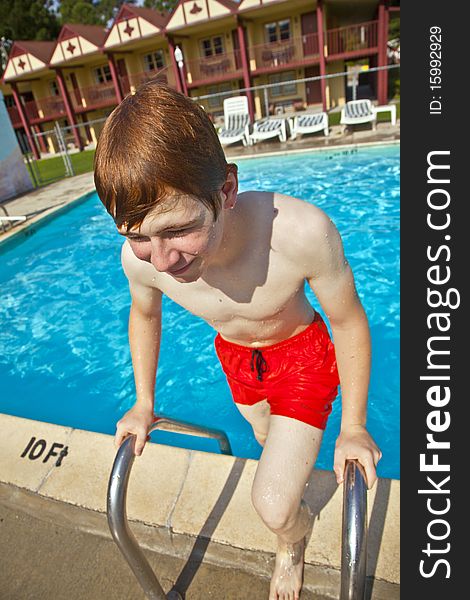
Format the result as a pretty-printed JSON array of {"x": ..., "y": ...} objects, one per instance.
[
  {"x": 177, "y": 232},
  {"x": 138, "y": 239}
]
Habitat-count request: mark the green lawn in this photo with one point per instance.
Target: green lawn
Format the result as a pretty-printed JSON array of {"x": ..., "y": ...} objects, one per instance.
[{"x": 54, "y": 168}]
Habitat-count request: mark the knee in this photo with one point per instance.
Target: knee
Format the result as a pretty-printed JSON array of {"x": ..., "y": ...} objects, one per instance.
[{"x": 277, "y": 513}]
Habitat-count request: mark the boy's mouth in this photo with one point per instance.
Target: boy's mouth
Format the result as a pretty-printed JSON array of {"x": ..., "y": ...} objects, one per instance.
[{"x": 182, "y": 270}]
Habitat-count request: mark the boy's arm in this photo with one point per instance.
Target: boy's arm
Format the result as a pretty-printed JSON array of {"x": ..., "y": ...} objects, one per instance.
[
  {"x": 332, "y": 281},
  {"x": 144, "y": 328}
]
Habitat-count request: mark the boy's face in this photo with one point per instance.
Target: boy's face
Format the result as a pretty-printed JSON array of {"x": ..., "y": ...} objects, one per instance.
[{"x": 180, "y": 238}]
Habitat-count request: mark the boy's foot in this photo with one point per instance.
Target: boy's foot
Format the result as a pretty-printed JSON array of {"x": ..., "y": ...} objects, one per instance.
[{"x": 287, "y": 578}]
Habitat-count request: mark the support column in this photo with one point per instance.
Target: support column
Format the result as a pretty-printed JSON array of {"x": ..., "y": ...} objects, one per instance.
[
  {"x": 382, "y": 75},
  {"x": 40, "y": 138},
  {"x": 245, "y": 68},
  {"x": 321, "y": 48},
  {"x": 115, "y": 78},
  {"x": 68, "y": 108},
  {"x": 174, "y": 64},
  {"x": 25, "y": 121}
]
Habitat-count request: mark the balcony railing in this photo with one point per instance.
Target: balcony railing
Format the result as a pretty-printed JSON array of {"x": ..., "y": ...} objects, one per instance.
[
  {"x": 214, "y": 68},
  {"x": 353, "y": 38},
  {"x": 43, "y": 109},
  {"x": 93, "y": 96},
  {"x": 285, "y": 52},
  {"x": 133, "y": 80}
]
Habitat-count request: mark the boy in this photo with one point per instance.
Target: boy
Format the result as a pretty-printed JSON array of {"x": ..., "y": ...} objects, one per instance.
[{"x": 239, "y": 261}]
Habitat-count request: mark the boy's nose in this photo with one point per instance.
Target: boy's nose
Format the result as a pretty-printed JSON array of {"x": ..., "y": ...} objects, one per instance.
[{"x": 163, "y": 257}]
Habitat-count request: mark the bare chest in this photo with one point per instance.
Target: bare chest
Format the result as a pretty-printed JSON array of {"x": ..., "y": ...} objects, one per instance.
[{"x": 257, "y": 301}]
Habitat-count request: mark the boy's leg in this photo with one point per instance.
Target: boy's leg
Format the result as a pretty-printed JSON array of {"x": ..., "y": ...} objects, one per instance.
[
  {"x": 258, "y": 416},
  {"x": 285, "y": 466}
]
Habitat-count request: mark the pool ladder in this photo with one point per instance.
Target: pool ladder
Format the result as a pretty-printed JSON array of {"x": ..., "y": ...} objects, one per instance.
[
  {"x": 354, "y": 536},
  {"x": 116, "y": 502}
]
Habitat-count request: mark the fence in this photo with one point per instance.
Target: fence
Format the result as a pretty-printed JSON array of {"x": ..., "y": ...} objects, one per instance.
[{"x": 63, "y": 139}]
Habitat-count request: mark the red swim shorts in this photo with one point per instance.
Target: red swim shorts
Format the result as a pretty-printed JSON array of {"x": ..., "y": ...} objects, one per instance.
[{"x": 297, "y": 376}]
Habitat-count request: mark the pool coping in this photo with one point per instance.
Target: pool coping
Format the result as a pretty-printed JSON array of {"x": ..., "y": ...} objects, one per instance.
[
  {"x": 204, "y": 499},
  {"x": 330, "y": 149}
]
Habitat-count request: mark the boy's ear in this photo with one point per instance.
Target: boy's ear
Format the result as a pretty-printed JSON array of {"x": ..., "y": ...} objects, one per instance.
[{"x": 230, "y": 190}]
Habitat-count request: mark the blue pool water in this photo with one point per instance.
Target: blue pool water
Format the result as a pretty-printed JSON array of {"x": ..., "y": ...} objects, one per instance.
[{"x": 64, "y": 302}]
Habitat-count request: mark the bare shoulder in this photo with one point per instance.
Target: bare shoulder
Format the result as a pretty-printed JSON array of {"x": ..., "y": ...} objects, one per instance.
[
  {"x": 137, "y": 271},
  {"x": 307, "y": 235}
]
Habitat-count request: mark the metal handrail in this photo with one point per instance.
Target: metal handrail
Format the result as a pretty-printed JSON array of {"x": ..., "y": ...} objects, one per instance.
[
  {"x": 354, "y": 538},
  {"x": 117, "y": 497}
]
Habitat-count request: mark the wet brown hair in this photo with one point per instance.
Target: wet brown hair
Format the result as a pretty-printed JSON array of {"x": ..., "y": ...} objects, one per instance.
[{"x": 156, "y": 143}]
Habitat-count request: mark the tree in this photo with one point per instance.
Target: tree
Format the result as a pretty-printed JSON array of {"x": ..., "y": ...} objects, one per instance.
[
  {"x": 161, "y": 5},
  {"x": 28, "y": 20},
  {"x": 90, "y": 12}
]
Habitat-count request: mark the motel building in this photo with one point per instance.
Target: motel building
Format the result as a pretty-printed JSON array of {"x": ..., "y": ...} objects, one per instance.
[{"x": 203, "y": 48}]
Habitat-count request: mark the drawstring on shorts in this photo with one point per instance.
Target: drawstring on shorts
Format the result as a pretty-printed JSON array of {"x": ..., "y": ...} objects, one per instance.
[{"x": 261, "y": 365}]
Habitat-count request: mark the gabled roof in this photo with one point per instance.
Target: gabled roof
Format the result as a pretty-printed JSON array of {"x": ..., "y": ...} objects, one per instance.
[
  {"x": 27, "y": 56},
  {"x": 41, "y": 50},
  {"x": 77, "y": 40},
  {"x": 190, "y": 12},
  {"x": 133, "y": 23},
  {"x": 93, "y": 33},
  {"x": 157, "y": 18}
]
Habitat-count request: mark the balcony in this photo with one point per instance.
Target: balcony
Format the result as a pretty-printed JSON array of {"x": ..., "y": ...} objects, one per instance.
[
  {"x": 44, "y": 109},
  {"x": 93, "y": 97},
  {"x": 130, "y": 82},
  {"x": 291, "y": 52},
  {"x": 220, "y": 67},
  {"x": 352, "y": 40}
]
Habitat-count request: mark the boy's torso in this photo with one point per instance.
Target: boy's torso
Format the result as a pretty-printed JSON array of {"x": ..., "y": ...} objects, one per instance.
[{"x": 258, "y": 299}]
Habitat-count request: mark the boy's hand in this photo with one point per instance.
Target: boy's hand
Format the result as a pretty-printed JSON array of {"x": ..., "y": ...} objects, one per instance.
[
  {"x": 355, "y": 442},
  {"x": 138, "y": 421}
]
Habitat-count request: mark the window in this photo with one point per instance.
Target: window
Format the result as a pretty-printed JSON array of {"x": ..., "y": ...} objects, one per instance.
[
  {"x": 54, "y": 88},
  {"x": 103, "y": 74},
  {"x": 212, "y": 46},
  {"x": 217, "y": 101},
  {"x": 277, "y": 31},
  {"x": 282, "y": 90},
  {"x": 154, "y": 61}
]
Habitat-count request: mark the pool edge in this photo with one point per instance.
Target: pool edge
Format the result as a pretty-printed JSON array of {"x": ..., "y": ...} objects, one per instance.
[{"x": 168, "y": 516}]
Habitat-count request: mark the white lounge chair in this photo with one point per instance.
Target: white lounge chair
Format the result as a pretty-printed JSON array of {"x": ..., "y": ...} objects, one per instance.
[
  {"x": 269, "y": 128},
  {"x": 309, "y": 123},
  {"x": 356, "y": 112},
  {"x": 236, "y": 121}
]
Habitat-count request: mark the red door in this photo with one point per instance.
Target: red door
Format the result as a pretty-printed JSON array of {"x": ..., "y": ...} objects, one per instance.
[
  {"x": 123, "y": 76},
  {"x": 309, "y": 37},
  {"x": 313, "y": 88}
]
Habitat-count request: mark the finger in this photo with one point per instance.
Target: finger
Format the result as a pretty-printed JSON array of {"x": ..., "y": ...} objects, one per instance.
[
  {"x": 140, "y": 444},
  {"x": 339, "y": 467},
  {"x": 369, "y": 468}
]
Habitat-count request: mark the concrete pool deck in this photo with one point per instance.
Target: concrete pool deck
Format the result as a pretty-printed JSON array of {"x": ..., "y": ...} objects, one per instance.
[
  {"x": 47, "y": 201},
  {"x": 190, "y": 505}
]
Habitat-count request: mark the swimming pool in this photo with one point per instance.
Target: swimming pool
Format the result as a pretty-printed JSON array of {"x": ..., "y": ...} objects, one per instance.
[{"x": 64, "y": 303}]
